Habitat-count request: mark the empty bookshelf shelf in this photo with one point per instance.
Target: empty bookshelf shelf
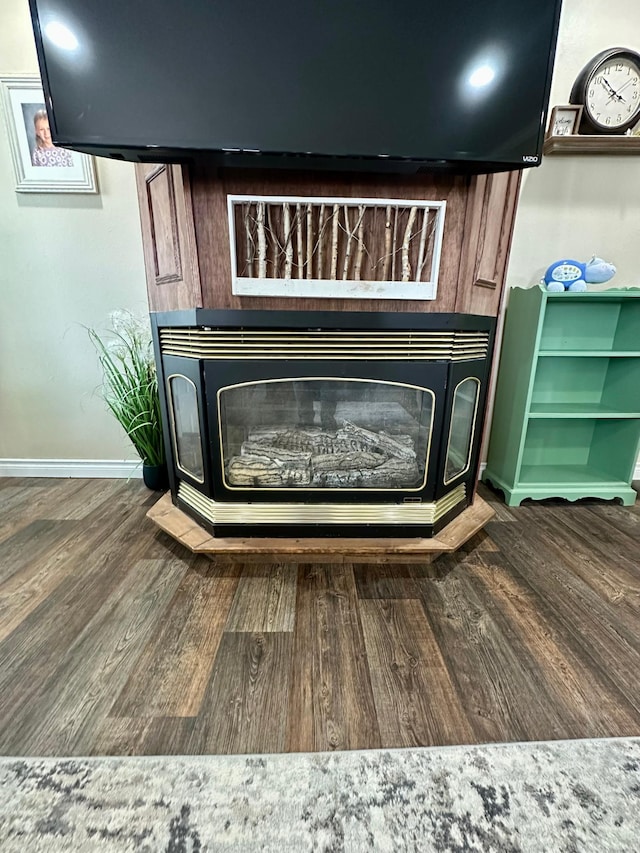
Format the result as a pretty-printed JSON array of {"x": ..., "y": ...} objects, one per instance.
[{"x": 566, "y": 420}]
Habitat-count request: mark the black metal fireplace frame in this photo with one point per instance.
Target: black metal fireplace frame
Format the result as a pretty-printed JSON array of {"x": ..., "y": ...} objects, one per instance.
[{"x": 443, "y": 372}]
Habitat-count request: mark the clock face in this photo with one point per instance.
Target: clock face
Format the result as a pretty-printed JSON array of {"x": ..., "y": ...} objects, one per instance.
[{"x": 612, "y": 98}]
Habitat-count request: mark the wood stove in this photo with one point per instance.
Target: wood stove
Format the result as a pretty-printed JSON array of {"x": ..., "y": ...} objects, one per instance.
[{"x": 308, "y": 423}]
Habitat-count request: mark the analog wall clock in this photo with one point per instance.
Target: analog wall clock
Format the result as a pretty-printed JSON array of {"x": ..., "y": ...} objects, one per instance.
[{"x": 608, "y": 87}]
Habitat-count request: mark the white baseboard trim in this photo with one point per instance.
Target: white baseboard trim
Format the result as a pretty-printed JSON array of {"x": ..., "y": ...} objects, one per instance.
[{"x": 107, "y": 468}]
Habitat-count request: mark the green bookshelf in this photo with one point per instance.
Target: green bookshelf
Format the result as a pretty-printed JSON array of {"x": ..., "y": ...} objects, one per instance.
[{"x": 566, "y": 420}]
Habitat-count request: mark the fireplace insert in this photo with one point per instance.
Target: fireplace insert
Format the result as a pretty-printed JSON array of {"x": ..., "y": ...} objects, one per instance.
[{"x": 322, "y": 423}]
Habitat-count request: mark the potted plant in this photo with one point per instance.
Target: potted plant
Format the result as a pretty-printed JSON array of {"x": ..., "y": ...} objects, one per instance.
[{"x": 130, "y": 390}]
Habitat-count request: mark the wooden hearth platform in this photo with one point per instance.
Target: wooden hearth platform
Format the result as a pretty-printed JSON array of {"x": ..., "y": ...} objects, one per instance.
[{"x": 322, "y": 550}]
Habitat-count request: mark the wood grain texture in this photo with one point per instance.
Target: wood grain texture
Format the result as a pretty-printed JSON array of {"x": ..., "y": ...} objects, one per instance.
[
  {"x": 211, "y": 186},
  {"x": 121, "y": 641},
  {"x": 610, "y": 642},
  {"x": 330, "y": 701},
  {"x": 79, "y": 694},
  {"x": 34, "y": 570},
  {"x": 83, "y": 501},
  {"x": 379, "y": 581},
  {"x": 172, "y": 735},
  {"x": 586, "y": 700},
  {"x": 21, "y": 505},
  {"x": 338, "y": 550},
  {"x": 265, "y": 599},
  {"x": 487, "y": 672},
  {"x": 102, "y": 558},
  {"x": 28, "y": 545},
  {"x": 591, "y": 144},
  {"x": 143, "y": 736},
  {"x": 242, "y": 710},
  {"x": 172, "y": 673},
  {"x": 602, "y": 557},
  {"x": 416, "y": 701},
  {"x": 488, "y": 232},
  {"x": 120, "y": 735},
  {"x": 614, "y": 520},
  {"x": 186, "y": 234},
  {"x": 168, "y": 237}
]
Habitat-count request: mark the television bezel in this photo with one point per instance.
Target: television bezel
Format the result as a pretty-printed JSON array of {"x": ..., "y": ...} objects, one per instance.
[{"x": 238, "y": 158}]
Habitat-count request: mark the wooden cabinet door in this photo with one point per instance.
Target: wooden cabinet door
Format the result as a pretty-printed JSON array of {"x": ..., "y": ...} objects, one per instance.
[
  {"x": 168, "y": 236},
  {"x": 491, "y": 207}
]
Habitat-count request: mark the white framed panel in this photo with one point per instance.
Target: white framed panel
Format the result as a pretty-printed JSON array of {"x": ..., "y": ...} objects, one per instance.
[{"x": 335, "y": 247}]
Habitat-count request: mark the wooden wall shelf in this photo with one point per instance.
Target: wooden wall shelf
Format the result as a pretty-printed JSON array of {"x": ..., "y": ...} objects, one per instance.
[{"x": 582, "y": 144}]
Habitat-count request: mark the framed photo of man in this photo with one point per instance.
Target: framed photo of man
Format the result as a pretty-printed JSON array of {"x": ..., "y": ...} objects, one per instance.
[{"x": 39, "y": 165}]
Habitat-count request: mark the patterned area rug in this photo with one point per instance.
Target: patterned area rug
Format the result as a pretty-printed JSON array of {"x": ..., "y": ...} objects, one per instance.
[{"x": 555, "y": 796}]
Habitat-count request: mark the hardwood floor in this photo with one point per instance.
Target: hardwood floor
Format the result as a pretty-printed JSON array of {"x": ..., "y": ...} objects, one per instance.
[{"x": 113, "y": 639}]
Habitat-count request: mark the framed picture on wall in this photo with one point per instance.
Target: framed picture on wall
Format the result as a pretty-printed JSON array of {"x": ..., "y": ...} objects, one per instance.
[
  {"x": 565, "y": 120},
  {"x": 39, "y": 165}
]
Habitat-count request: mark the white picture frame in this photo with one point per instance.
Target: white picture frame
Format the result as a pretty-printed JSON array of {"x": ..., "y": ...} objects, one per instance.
[
  {"x": 40, "y": 167},
  {"x": 415, "y": 278},
  {"x": 565, "y": 120}
]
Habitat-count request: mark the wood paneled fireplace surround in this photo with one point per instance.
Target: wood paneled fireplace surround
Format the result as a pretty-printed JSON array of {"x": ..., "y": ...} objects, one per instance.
[{"x": 343, "y": 421}]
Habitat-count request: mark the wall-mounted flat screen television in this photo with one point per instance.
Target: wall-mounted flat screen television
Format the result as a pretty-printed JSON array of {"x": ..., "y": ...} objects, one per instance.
[{"x": 382, "y": 84}]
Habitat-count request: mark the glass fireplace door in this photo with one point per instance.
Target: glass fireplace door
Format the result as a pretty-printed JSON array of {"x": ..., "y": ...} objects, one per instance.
[
  {"x": 465, "y": 403},
  {"x": 325, "y": 434},
  {"x": 187, "y": 422}
]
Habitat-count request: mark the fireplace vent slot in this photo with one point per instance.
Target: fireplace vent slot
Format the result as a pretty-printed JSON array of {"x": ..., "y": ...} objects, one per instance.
[
  {"x": 321, "y": 513},
  {"x": 318, "y": 345}
]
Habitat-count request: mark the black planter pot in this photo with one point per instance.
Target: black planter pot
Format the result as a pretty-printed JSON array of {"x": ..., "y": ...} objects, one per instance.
[{"x": 155, "y": 477}]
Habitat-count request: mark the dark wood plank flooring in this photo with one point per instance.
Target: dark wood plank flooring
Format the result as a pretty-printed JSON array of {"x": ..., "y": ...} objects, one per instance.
[{"x": 116, "y": 640}]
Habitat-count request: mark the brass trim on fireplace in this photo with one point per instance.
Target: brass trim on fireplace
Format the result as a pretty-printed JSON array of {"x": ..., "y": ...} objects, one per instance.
[
  {"x": 322, "y": 513},
  {"x": 328, "y": 345},
  {"x": 328, "y": 488}
]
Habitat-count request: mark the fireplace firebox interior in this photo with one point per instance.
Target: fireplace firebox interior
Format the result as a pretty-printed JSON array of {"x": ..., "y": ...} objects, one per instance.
[{"x": 322, "y": 424}]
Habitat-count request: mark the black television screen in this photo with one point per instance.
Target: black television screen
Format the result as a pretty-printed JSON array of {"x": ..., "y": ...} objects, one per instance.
[{"x": 375, "y": 84}]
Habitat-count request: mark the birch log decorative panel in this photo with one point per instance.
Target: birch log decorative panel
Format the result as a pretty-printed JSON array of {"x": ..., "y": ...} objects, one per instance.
[{"x": 349, "y": 248}]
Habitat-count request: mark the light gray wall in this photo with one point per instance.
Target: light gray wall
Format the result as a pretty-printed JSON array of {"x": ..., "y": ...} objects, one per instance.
[
  {"x": 66, "y": 261},
  {"x": 578, "y": 206}
]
